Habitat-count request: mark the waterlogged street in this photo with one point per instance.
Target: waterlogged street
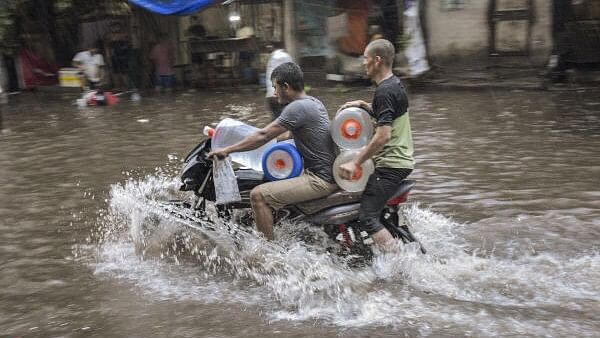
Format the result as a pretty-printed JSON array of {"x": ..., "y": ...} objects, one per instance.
[{"x": 507, "y": 203}]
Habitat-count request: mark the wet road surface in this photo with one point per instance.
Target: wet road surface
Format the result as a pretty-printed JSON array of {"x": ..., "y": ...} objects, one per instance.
[{"x": 507, "y": 201}]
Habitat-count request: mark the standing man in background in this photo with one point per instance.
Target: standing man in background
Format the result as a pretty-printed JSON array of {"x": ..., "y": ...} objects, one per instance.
[
  {"x": 91, "y": 63},
  {"x": 277, "y": 57},
  {"x": 391, "y": 147},
  {"x": 163, "y": 56},
  {"x": 118, "y": 49}
]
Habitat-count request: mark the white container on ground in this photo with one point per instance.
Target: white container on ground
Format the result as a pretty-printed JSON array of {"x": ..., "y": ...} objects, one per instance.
[{"x": 70, "y": 77}]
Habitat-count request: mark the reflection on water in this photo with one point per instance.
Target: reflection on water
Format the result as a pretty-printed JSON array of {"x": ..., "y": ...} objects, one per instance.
[{"x": 506, "y": 203}]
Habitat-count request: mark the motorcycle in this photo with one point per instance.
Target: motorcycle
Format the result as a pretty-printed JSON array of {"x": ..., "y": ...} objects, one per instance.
[{"x": 336, "y": 214}]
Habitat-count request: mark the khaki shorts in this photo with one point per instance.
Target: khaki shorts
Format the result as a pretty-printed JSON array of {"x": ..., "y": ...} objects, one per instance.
[{"x": 303, "y": 188}]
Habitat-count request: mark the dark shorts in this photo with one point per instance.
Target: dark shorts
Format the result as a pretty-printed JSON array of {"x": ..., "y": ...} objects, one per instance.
[{"x": 382, "y": 185}]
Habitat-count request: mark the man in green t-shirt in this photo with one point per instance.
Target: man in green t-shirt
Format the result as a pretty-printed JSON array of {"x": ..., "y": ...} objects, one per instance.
[{"x": 391, "y": 147}]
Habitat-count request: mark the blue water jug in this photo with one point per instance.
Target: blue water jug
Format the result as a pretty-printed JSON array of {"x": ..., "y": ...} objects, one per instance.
[{"x": 281, "y": 161}]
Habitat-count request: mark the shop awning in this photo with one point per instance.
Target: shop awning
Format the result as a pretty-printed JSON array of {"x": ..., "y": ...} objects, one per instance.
[{"x": 175, "y": 7}]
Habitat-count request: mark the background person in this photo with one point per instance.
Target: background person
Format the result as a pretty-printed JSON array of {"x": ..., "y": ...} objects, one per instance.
[
  {"x": 91, "y": 63},
  {"x": 277, "y": 57},
  {"x": 118, "y": 49},
  {"x": 391, "y": 147},
  {"x": 163, "y": 57}
]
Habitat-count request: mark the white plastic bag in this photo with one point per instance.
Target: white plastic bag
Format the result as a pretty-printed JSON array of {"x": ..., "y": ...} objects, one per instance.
[{"x": 226, "y": 187}]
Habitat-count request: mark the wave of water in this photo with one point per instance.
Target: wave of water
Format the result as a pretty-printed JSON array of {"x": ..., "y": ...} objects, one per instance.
[{"x": 453, "y": 288}]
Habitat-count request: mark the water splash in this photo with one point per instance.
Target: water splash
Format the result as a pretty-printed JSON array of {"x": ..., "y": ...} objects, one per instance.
[{"x": 451, "y": 288}]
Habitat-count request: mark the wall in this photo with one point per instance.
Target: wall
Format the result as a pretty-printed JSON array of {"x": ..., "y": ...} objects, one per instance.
[
  {"x": 3, "y": 77},
  {"x": 216, "y": 21},
  {"x": 289, "y": 36},
  {"x": 461, "y": 34},
  {"x": 541, "y": 35}
]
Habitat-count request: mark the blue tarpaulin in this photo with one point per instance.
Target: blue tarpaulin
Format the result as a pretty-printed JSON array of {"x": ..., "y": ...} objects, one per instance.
[{"x": 174, "y": 7}]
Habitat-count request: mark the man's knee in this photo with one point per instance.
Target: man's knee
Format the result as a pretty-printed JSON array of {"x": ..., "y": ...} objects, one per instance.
[{"x": 256, "y": 196}]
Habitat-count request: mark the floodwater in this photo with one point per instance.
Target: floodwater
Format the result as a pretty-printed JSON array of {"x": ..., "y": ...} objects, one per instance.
[{"x": 507, "y": 202}]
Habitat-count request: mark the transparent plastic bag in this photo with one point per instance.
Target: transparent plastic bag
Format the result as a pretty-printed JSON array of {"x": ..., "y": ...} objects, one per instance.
[
  {"x": 226, "y": 187},
  {"x": 230, "y": 131}
]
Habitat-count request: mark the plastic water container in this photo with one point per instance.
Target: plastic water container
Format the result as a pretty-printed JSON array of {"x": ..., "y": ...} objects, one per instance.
[
  {"x": 351, "y": 128},
  {"x": 282, "y": 161},
  {"x": 360, "y": 178},
  {"x": 229, "y": 132}
]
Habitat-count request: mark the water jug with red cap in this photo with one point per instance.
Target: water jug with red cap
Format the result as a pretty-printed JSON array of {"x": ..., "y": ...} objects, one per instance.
[{"x": 351, "y": 128}]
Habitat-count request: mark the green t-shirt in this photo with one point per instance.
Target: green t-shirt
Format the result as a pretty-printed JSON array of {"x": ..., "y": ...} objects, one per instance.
[
  {"x": 390, "y": 107},
  {"x": 398, "y": 152}
]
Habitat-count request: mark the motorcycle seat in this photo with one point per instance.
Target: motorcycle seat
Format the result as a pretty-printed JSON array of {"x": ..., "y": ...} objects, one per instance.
[
  {"x": 401, "y": 194},
  {"x": 339, "y": 197},
  {"x": 342, "y": 197}
]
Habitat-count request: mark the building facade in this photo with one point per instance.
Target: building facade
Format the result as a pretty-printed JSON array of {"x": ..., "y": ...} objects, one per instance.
[{"x": 475, "y": 31}]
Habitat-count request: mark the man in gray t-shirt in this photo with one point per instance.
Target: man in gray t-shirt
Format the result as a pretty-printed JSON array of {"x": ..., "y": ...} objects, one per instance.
[
  {"x": 304, "y": 119},
  {"x": 307, "y": 120}
]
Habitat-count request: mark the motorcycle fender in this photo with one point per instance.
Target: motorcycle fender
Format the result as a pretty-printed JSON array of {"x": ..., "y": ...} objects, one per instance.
[{"x": 336, "y": 215}]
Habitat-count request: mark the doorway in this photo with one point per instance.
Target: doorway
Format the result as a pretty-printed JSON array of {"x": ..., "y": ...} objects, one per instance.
[{"x": 510, "y": 27}]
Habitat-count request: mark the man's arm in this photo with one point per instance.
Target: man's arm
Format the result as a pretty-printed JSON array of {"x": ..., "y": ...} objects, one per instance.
[
  {"x": 77, "y": 62},
  {"x": 358, "y": 103},
  {"x": 381, "y": 137},
  {"x": 285, "y": 136},
  {"x": 253, "y": 141}
]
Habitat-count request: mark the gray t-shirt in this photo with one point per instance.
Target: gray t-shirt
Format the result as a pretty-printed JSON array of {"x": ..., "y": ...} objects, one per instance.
[{"x": 308, "y": 121}]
